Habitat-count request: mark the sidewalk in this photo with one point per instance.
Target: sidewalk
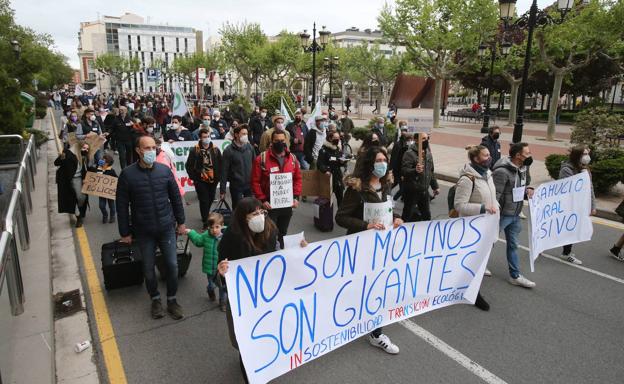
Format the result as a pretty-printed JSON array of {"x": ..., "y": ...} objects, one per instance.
[{"x": 449, "y": 141}]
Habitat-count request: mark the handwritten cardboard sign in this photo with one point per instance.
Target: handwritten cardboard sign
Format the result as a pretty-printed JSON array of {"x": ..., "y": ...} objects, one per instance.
[
  {"x": 295, "y": 305},
  {"x": 315, "y": 183},
  {"x": 420, "y": 125},
  {"x": 101, "y": 185},
  {"x": 281, "y": 187}
]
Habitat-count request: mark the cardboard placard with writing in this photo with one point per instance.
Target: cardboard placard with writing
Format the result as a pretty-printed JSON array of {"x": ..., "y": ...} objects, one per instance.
[
  {"x": 281, "y": 185},
  {"x": 101, "y": 185},
  {"x": 315, "y": 183}
]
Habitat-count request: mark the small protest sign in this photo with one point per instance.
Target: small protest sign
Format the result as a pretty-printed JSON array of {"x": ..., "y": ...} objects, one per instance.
[
  {"x": 379, "y": 213},
  {"x": 281, "y": 186},
  {"x": 101, "y": 185}
]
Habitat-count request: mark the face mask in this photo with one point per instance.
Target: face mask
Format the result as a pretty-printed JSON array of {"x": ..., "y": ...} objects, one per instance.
[
  {"x": 586, "y": 159},
  {"x": 344, "y": 116},
  {"x": 336, "y": 142},
  {"x": 410, "y": 143},
  {"x": 380, "y": 169},
  {"x": 150, "y": 129},
  {"x": 144, "y": 109},
  {"x": 170, "y": 113},
  {"x": 84, "y": 153},
  {"x": 324, "y": 125},
  {"x": 74, "y": 118},
  {"x": 149, "y": 157},
  {"x": 206, "y": 141},
  {"x": 496, "y": 136},
  {"x": 279, "y": 146},
  {"x": 244, "y": 139},
  {"x": 425, "y": 144},
  {"x": 528, "y": 161},
  {"x": 175, "y": 126},
  {"x": 256, "y": 224},
  {"x": 279, "y": 126},
  {"x": 101, "y": 163},
  {"x": 92, "y": 118},
  {"x": 487, "y": 163},
  {"x": 263, "y": 115},
  {"x": 68, "y": 113},
  {"x": 206, "y": 122}
]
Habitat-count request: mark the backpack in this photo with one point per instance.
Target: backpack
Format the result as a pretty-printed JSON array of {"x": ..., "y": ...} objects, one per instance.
[
  {"x": 293, "y": 160},
  {"x": 451, "y": 196}
]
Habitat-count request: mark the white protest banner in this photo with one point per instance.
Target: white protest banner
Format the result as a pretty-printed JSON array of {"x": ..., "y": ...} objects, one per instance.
[
  {"x": 281, "y": 187},
  {"x": 379, "y": 213},
  {"x": 180, "y": 151},
  {"x": 560, "y": 214},
  {"x": 293, "y": 306}
]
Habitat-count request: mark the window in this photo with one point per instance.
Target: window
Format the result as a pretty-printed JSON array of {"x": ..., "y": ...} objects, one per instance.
[
  {"x": 153, "y": 43},
  {"x": 151, "y": 58},
  {"x": 177, "y": 44},
  {"x": 166, "y": 59},
  {"x": 162, "y": 43},
  {"x": 135, "y": 81},
  {"x": 141, "y": 80},
  {"x": 143, "y": 58},
  {"x": 139, "y": 43},
  {"x": 129, "y": 43},
  {"x": 185, "y": 44}
]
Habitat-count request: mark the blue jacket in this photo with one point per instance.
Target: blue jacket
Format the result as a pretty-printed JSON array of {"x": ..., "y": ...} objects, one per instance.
[{"x": 153, "y": 198}]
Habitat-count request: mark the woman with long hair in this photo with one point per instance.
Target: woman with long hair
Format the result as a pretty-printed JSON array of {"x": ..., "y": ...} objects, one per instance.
[
  {"x": 251, "y": 233},
  {"x": 577, "y": 162},
  {"x": 370, "y": 183}
]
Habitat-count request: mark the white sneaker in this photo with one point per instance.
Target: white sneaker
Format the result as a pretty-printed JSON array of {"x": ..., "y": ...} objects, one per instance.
[
  {"x": 522, "y": 215},
  {"x": 571, "y": 259},
  {"x": 487, "y": 272},
  {"x": 384, "y": 343},
  {"x": 522, "y": 281}
]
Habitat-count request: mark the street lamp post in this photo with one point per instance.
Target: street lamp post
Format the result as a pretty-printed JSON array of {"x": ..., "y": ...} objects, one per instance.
[
  {"x": 331, "y": 64},
  {"x": 533, "y": 18},
  {"x": 17, "y": 48},
  {"x": 505, "y": 48},
  {"x": 314, "y": 47}
]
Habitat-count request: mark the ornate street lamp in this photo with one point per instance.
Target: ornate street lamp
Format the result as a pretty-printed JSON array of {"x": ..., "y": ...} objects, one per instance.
[
  {"x": 534, "y": 17},
  {"x": 17, "y": 48},
  {"x": 331, "y": 65},
  {"x": 314, "y": 47}
]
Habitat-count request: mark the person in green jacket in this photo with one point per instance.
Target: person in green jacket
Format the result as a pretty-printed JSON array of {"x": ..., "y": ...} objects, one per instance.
[{"x": 209, "y": 240}]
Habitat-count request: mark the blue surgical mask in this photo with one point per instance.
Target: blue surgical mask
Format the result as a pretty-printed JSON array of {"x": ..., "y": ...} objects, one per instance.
[
  {"x": 380, "y": 169},
  {"x": 149, "y": 157}
]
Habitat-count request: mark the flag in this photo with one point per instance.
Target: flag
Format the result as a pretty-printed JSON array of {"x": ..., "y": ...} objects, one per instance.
[
  {"x": 284, "y": 112},
  {"x": 315, "y": 112},
  {"x": 179, "y": 104}
]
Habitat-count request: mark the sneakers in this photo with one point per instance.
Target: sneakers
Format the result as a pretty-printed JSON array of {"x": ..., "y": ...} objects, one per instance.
[
  {"x": 211, "y": 294},
  {"x": 615, "y": 253},
  {"x": 571, "y": 259},
  {"x": 521, "y": 281},
  {"x": 174, "y": 309},
  {"x": 522, "y": 215},
  {"x": 487, "y": 272},
  {"x": 112, "y": 219},
  {"x": 384, "y": 343},
  {"x": 481, "y": 303},
  {"x": 223, "y": 306},
  {"x": 78, "y": 222},
  {"x": 104, "y": 219},
  {"x": 157, "y": 309}
]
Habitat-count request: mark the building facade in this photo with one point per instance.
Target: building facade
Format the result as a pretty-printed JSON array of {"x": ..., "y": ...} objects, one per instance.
[
  {"x": 353, "y": 37},
  {"x": 129, "y": 36}
]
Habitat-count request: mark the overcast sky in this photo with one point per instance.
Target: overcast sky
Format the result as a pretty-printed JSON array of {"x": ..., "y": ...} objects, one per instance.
[{"x": 62, "y": 19}]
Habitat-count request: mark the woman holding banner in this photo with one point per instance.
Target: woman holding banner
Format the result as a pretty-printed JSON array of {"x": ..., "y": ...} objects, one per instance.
[
  {"x": 370, "y": 183},
  {"x": 577, "y": 162},
  {"x": 251, "y": 232}
]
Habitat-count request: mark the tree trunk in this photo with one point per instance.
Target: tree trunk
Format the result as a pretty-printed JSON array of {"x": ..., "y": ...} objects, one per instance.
[
  {"x": 437, "y": 101},
  {"x": 513, "y": 105},
  {"x": 248, "y": 85},
  {"x": 554, "y": 101}
]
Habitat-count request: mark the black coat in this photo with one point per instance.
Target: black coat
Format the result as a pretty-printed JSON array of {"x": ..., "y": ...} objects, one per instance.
[
  {"x": 185, "y": 135},
  {"x": 152, "y": 195},
  {"x": 64, "y": 175},
  {"x": 383, "y": 138},
  {"x": 194, "y": 164},
  {"x": 494, "y": 147},
  {"x": 255, "y": 126},
  {"x": 329, "y": 160},
  {"x": 398, "y": 150},
  {"x": 236, "y": 166},
  {"x": 122, "y": 132}
]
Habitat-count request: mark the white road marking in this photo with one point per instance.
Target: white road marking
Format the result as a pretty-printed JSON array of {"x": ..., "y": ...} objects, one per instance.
[
  {"x": 557, "y": 259},
  {"x": 451, "y": 352}
]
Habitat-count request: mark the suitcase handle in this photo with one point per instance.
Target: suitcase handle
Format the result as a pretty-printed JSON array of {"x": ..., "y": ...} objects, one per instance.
[
  {"x": 186, "y": 243},
  {"x": 129, "y": 246},
  {"x": 221, "y": 203},
  {"x": 116, "y": 260}
]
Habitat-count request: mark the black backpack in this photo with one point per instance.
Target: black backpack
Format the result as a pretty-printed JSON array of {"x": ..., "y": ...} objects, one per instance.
[{"x": 451, "y": 196}]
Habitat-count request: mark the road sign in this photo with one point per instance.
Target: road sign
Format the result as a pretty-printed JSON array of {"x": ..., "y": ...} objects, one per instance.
[{"x": 153, "y": 74}]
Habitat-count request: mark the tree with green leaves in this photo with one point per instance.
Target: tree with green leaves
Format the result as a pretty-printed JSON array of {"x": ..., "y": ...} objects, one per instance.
[
  {"x": 277, "y": 59},
  {"x": 441, "y": 36},
  {"x": 568, "y": 46},
  {"x": 118, "y": 67},
  {"x": 241, "y": 44}
]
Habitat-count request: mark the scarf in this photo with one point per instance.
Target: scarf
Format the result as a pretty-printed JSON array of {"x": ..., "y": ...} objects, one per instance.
[{"x": 207, "y": 172}]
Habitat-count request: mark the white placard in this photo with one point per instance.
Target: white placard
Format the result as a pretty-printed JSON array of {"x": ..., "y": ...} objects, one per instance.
[
  {"x": 518, "y": 194},
  {"x": 379, "y": 213},
  {"x": 293, "y": 306},
  {"x": 560, "y": 214},
  {"x": 293, "y": 241},
  {"x": 281, "y": 187}
]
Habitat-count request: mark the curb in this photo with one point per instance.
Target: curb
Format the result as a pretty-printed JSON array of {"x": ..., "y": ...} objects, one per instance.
[
  {"x": 601, "y": 213},
  {"x": 71, "y": 367}
]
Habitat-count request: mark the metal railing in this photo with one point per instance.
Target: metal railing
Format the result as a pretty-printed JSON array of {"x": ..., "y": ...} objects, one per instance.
[{"x": 15, "y": 226}]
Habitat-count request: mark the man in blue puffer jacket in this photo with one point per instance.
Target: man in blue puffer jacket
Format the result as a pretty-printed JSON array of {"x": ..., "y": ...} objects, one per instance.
[{"x": 149, "y": 192}]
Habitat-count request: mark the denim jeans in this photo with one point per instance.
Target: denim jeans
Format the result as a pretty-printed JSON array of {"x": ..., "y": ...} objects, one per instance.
[
  {"x": 166, "y": 241},
  {"x": 111, "y": 204},
  {"x": 301, "y": 158},
  {"x": 237, "y": 194},
  {"x": 82, "y": 200},
  {"x": 512, "y": 227},
  {"x": 211, "y": 287}
]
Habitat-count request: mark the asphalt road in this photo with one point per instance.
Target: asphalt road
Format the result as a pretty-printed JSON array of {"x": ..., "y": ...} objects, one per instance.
[{"x": 566, "y": 330}]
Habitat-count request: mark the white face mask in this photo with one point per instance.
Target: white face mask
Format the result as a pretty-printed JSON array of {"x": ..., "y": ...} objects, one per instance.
[
  {"x": 244, "y": 139},
  {"x": 92, "y": 118},
  {"x": 586, "y": 159},
  {"x": 150, "y": 129},
  {"x": 206, "y": 141},
  {"x": 263, "y": 115},
  {"x": 256, "y": 224},
  {"x": 175, "y": 126}
]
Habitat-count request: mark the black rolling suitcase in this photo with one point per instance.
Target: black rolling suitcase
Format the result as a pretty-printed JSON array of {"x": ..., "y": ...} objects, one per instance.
[
  {"x": 122, "y": 265},
  {"x": 323, "y": 214},
  {"x": 184, "y": 259},
  {"x": 224, "y": 209}
]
